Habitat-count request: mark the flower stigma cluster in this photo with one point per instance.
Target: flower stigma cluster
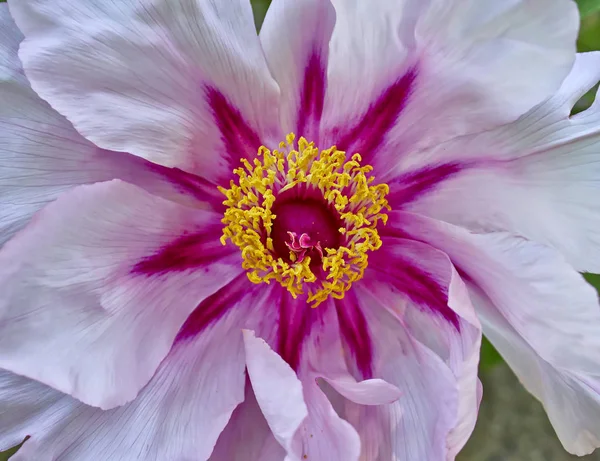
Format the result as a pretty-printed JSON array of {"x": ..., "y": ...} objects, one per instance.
[{"x": 305, "y": 218}]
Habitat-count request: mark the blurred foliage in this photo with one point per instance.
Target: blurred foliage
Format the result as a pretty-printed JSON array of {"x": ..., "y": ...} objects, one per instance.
[
  {"x": 588, "y": 7},
  {"x": 489, "y": 356}
]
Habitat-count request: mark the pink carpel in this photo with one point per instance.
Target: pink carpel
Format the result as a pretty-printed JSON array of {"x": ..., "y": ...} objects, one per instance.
[{"x": 300, "y": 246}]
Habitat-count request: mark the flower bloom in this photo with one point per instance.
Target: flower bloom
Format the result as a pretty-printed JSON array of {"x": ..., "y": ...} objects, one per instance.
[{"x": 223, "y": 246}]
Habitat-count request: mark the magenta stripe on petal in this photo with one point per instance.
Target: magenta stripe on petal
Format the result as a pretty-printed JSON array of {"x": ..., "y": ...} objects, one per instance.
[
  {"x": 415, "y": 283},
  {"x": 239, "y": 138},
  {"x": 312, "y": 98},
  {"x": 190, "y": 251},
  {"x": 355, "y": 332},
  {"x": 190, "y": 184},
  {"x": 413, "y": 184},
  {"x": 295, "y": 320},
  {"x": 368, "y": 135},
  {"x": 214, "y": 307}
]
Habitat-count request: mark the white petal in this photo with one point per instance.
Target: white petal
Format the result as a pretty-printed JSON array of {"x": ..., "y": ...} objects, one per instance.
[
  {"x": 41, "y": 154},
  {"x": 153, "y": 78},
  {"x": 540, "y": 313},
  {"x": 538, "y": 177},
  {"x": 96, "y": 288},
  {"x": 414, "y": 73},
  {"x": 298, "y": 60},
  {"x": 178, "y": 415},
  {"x": 571, "y": 400}
]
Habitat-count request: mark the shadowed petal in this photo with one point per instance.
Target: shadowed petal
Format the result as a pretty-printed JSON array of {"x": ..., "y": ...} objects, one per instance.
[{"x": 540, "y": 314}]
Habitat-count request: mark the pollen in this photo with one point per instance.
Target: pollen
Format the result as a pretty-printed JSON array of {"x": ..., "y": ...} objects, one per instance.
[{"x": 301, "y": 171}]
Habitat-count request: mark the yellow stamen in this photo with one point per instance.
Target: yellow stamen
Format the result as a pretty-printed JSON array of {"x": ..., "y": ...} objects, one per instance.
[{"x": 344, "y": 184}]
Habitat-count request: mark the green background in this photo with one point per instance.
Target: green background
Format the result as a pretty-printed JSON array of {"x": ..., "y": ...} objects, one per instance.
[{"x": 512, "y": 425}]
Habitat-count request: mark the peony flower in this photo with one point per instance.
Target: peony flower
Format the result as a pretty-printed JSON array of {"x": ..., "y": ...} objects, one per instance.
[{"x": 223, "y": 246}]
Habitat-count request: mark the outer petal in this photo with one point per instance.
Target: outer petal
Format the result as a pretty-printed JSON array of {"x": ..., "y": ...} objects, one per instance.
[
  {"x": 540, "y": 313},
  {"x": 410, "y": 73},
  {"x": 545, "y": 162},
  {"x": 96, "y": 288},
  {"x": 177, "y": 416},
  {"x": 154, "y": 78},
  {"x": 298, "y": 60},
  {"x": 301, "y": 418},
  {"x": 41, "y": 154}
]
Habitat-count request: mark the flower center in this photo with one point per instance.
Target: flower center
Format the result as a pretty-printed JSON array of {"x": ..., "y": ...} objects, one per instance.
[{"x": 305, "y": 218}]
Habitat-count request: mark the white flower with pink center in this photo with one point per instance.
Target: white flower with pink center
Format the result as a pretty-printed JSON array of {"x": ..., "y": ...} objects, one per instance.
[{"x": 225, "y": 246}]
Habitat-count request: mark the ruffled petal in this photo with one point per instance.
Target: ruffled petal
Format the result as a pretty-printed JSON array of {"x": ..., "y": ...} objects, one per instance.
[
  {"x": 418, "y": 425},
  {"x": 409, "y": 74},
  {"x": 182, "y": 83},
  {"x": 424, "y": 295},
  {"x": 298, "y": 60},
  {"x": 546, "y": 162},
  {"x": 178, "y": 415},
  {"x": 41, "y": 154},
  {"x": 299, "y": 414},
  {"x": 95, "y": 289},
  {"x": 540, "y": 314}
]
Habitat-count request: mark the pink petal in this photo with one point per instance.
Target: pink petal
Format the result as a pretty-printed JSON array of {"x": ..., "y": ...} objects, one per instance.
[
  {"x": 546, "y": 161},
  {"x": 298, "y": 60},
  {"x": 77, "y": 311},
  {"x": 176, "y": 82},
  {"x": 247, "y": 435},
  {"x": 41, "y": 154},
  {"x": 408, "y": 75},
  {"x": 299, "y": 414},
  {"x": 178, "y": 415},
  {"x": 278, "y": 391},
  {"x": 541, "y": 315}
]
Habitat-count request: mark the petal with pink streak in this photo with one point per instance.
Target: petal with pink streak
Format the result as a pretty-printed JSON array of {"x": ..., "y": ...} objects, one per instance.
[
  {"x": 178, "y": 82},
  {"x": 547, "y": 162},
  {"x": 540, "y": 314},
  {"x": 298, "y": 60},
  {"x": 411, "y": 74},
  {"x": 296, "y": 319},
  {"x": 419, "y": 424},
  {"x": 324, "y": 357},
  {"x": 77, "y": 312},
  {"x": 178, "y": 415},
  {"x": 299, "y": 414},
  {"x": 41, "y": 154},
  {"x": 418, "y": 285}
]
